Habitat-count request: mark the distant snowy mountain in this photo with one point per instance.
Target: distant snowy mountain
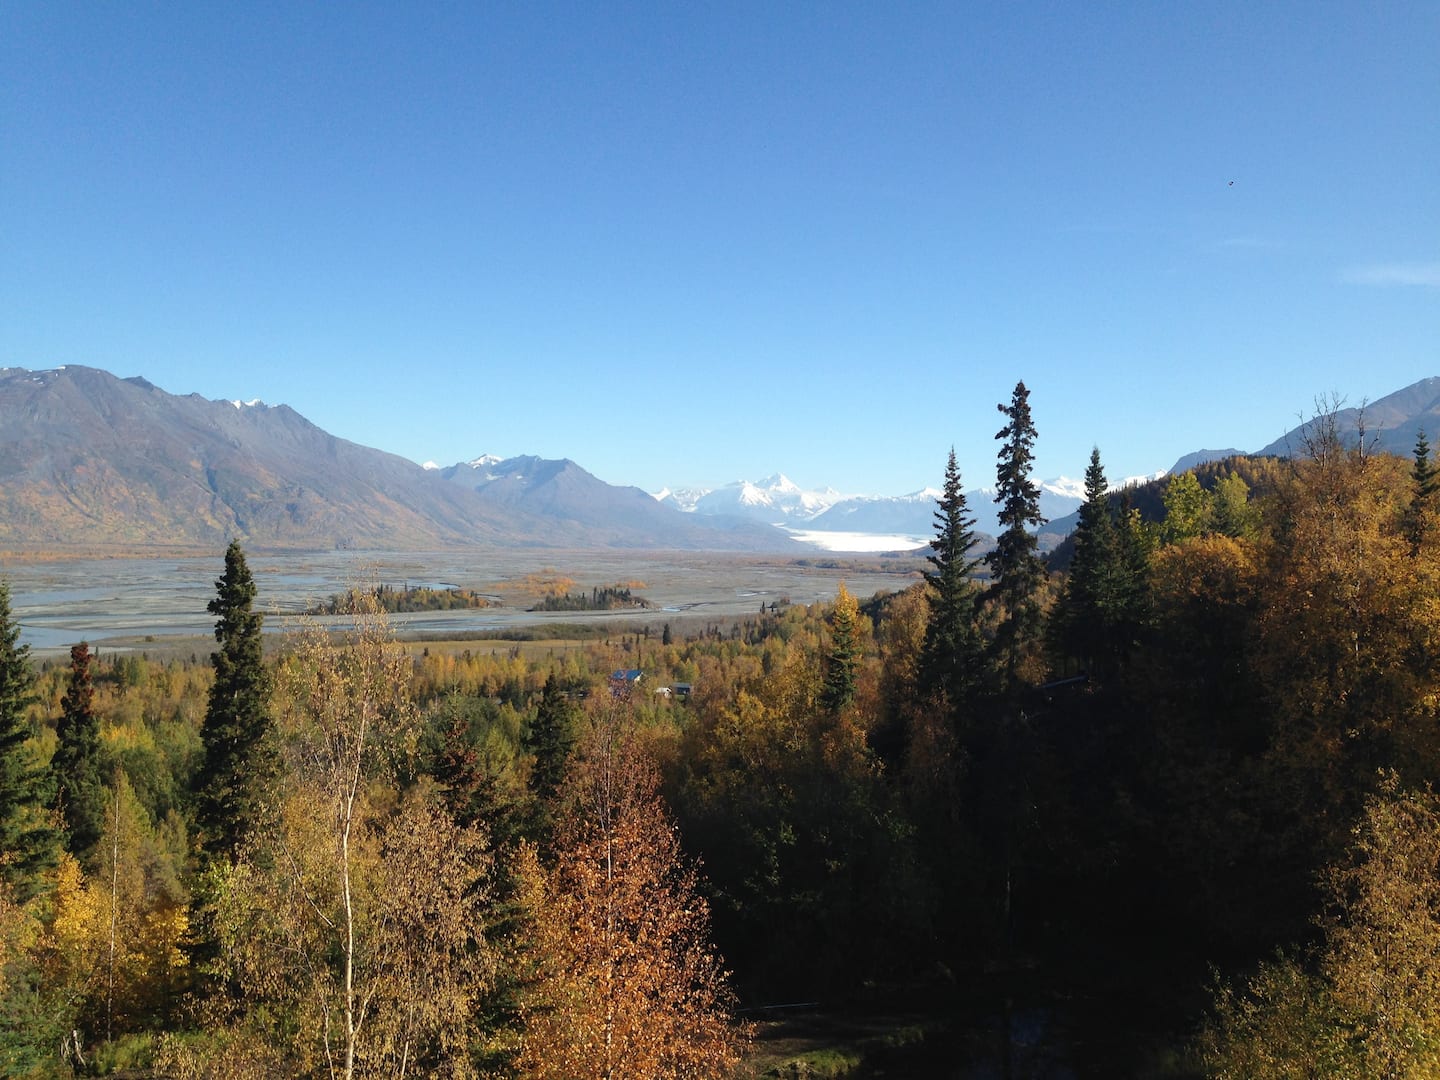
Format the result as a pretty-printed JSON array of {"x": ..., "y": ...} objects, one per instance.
[
  {"x": 481, "y": 469},
  {"x": 1064, "y": 487},
  {"x": 777, "y": 500},
  {"x": 1059, "y": 498},
  {"x": 905, "y": 515},
  {"x": 563, "y": 495},
  {"x": 681, "y": 498}
]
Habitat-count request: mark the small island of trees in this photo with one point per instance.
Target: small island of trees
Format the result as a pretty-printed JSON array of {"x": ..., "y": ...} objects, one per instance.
[
  {"x": 408, "y": 598},
  {"x": 601, "y": 598}
]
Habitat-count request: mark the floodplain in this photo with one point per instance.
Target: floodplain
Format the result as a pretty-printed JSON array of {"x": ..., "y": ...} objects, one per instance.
[{"x": 137, "y": 601}]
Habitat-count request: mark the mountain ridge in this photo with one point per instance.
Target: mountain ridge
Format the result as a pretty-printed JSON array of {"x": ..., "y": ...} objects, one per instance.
[
  {"x": 87, "y": 457},
  {"x": 1391, "y": 423},
  {"x": 778, "y": 500}
]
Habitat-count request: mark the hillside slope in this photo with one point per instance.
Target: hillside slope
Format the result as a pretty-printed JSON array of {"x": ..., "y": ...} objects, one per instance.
[{"x": 89, "y": 458}]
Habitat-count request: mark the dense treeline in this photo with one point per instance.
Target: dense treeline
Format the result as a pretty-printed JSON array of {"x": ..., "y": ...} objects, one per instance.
[{"x": 1061, "y": 802}]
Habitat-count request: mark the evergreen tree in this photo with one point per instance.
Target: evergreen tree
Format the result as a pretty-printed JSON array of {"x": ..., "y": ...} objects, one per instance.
[
  {"x": 838, "y": 689},
  {"x": 550, "y": 738},
  {"x": 469, "y": 791},
  {"x": 240, "y": 759},
  {"x": 1426, "y": 480},
  {"x": 1424, "y": 473},
  {"x": 1015, "y": 564},
  {"x": 950, "y": 660},
  {"x": 27, "y": 843},
  {"x": 1135, "y": 543},
  {"x": 1081, "y": 623},
  {"x": 76, "y": 764}
]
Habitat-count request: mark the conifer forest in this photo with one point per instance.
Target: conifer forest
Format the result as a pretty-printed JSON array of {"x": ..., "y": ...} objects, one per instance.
[{"x": 1159, "y": 804}]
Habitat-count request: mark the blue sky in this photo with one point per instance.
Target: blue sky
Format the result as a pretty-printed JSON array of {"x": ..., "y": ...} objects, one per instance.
[{"x": 690, "y": 243}]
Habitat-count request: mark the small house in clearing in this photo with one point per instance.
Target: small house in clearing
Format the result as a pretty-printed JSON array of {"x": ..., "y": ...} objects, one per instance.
[{"x": 624, "y": 680}]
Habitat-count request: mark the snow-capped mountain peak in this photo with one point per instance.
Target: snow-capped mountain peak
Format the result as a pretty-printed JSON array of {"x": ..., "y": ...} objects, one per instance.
[
  {"x": 777, "y": 500},
  {"x": 926, "y": 494},
  {"x": 681, "y": 498},
  {"x": 753, "y": 495},
  {"x": 1065, "y": 486},
  {"x": 779, "y": 482}
]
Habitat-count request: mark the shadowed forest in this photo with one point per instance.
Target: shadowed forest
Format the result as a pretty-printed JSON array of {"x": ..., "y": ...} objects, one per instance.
[{"x": 1162, "y": 810}]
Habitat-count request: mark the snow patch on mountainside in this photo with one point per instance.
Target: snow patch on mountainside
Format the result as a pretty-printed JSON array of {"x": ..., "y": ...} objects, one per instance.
[{"x": 483, "y": 466}]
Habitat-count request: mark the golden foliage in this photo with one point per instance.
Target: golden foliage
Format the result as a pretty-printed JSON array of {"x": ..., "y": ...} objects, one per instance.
[
  {"x": 1346, "y": 621},
  {"x": 1382, "y": 959},
  {"x": 547, "y": 583},
  {"x": 1371, "y": 1005},
  {"x": 360, "y": 915},
  {"x": 627, "y": 984}
]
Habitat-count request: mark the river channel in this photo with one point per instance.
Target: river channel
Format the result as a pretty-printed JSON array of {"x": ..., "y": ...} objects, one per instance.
[{"x": 132, "y": 601}]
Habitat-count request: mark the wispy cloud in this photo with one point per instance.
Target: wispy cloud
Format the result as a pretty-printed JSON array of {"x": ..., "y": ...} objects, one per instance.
[{"x": 1426, "y": 275}]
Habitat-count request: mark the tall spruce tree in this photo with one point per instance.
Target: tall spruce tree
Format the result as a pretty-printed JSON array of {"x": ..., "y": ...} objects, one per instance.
[
  {"x": 1097, "y": 617},
  {"x": 240, "y": 758},
  {"x": 1423, "y": 473},
  {"x": 1425, "y": 480},
  {"x": 953, "y": 652},
  {"x": 1015, "y": 566},
  {"x": 80, "y": 791},
  {"x": 27, "y": 843},
  {"x": 838, "y": 687},
  {"x": 550, "y": 737}
]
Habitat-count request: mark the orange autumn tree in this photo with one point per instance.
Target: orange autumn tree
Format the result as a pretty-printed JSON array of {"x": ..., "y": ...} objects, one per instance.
[{"x": 627, "y": 984}]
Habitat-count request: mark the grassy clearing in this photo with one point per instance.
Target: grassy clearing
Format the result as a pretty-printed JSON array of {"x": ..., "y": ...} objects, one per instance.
[{"x": 820, "y": 1046}]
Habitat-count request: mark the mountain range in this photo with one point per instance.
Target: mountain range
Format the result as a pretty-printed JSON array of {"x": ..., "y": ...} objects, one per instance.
[
  {"x": 1390, "y": 424},
  {"x": 88, "y": 459},
  {"x": 777, "y": 500}
]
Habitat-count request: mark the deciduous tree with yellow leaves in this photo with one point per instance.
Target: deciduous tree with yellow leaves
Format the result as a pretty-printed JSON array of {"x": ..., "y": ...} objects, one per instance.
[{"x": 354, "y": 927}]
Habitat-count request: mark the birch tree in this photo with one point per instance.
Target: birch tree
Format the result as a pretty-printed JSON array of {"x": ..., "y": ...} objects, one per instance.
[{"x": 359, "y": 916}]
